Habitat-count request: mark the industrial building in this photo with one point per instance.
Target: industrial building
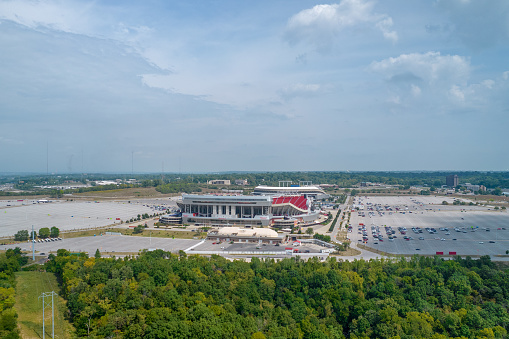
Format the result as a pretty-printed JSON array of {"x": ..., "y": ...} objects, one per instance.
[{"x": 219, "y": 182}]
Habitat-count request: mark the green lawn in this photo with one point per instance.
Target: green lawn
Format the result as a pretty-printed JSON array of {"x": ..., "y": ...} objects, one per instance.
[{"x": 29, "y": 286}]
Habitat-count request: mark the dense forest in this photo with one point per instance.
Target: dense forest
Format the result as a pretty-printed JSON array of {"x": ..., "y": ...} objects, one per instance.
[
  {"x": 10, "y": 262},
  {"x": 164, "y": 295}
]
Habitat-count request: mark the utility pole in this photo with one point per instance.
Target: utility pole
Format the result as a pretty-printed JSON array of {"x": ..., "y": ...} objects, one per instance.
[
  {"x": 44, "y": 305},
  {"x": 33, "y": 243}
]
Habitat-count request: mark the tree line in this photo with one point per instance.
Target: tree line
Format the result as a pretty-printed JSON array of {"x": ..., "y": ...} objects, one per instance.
[
  {"x": 10, "y": 262},
  {"x": 164, "y": 295},
  {"x": 44, "y": 233}
]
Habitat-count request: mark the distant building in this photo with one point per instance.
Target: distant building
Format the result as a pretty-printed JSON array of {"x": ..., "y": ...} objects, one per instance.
[
  {"x": 245, "y": 235},
  {"x": 474, "y": 188},
  {"x": 219, "y": 182},
  {"x": 241, "y": 182},
  {"x": 451, "y": 180}
]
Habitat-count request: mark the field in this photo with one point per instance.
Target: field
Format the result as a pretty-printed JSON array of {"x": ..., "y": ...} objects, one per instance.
[
  {"x": 126, "y": 193},
  {"x": 31, "y": 285}
]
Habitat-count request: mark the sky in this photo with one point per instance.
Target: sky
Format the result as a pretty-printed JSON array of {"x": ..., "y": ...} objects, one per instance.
[{"x": 223, "y": 85}]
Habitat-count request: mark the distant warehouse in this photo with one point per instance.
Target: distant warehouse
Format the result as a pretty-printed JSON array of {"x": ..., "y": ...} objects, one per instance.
[{"x": 219, "y": 182}]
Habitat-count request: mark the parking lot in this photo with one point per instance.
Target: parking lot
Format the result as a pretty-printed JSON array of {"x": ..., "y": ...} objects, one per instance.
[
  {"x": 107, "y": 243},
  {"x": 466, "y": 230},
  {"x": 70, "y": 215},
  {"x": 250, "y": 247}
]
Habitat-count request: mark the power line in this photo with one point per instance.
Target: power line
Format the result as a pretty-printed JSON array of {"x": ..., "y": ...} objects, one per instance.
[{"x": 44, "y": 305}]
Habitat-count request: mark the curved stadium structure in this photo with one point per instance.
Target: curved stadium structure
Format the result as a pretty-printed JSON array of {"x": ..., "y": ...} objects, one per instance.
[
  {"x": 244, "y": 209},
  {"x": 308, "y": 191}
]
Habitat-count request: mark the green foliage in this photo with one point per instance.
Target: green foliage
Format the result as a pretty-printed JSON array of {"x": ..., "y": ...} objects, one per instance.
[
  {"x": 10, "y": 262},
  {"x": 162, "y": 295},
  {"x": 138, "y": 229},
  {"x": 331, "y": 228},
  {"x": 322, "y": 237},
  {"x": 44, "y": 233},
  {"x": 21, "y": 235},
  {"x": 326, "y": 221},
  {"x": 54, "y": 232}
]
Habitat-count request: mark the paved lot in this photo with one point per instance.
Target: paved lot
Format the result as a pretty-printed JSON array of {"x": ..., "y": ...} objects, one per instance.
[
  {"x": 250, "y": 247},
  {"x": 472, "y": 238},
  {"x": 108, "y": 243},
  {"x": 70, "y": 215}
]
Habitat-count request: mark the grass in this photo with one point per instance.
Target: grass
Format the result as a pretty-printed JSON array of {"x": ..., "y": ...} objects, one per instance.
[
  {"x": 29, "y": 286},
  {"x": 128, "y": 231},
  {"x": 160, "y": 233},
  {"x": 137, "y": 192},
  {"x": 349, "y": 252}
]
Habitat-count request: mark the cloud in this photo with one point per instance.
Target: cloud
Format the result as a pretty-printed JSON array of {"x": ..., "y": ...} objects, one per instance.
[
  {"x": 320, "y": 25},
  {"x": 299, "y": 90},
  {"x": 66, "y": 16},
  {"x": 457, "y": 93},
  {"x": 478, "y": 24},
  {"x": 431, "y": 67},
  {"x": 436, "y": 80}
]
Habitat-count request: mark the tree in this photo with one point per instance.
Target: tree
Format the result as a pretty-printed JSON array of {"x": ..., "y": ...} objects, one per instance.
[
  {"x": 309, "y": 231},
  {"x": 97, "y": 254},
  {"x": 21, "y": 235},
  {"x": 55, "y": 232},
  {"x": 44, "y": 233}
]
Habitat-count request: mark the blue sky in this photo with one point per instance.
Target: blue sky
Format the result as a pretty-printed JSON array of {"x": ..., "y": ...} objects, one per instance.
[{"x": 201, "y": 86}]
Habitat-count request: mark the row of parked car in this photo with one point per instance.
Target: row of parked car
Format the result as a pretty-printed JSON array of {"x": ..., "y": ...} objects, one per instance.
[{"x": 46, "y": 240}]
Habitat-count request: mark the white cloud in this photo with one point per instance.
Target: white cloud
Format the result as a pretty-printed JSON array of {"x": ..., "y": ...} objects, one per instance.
[
  {"x": 457, "y": 93},
  {"x": 67, "y": 16},
  {"x": 321, "y": 24},
  {"x": 431, "y": 67},
  {"x": 299, "y": 90},
  {"x": 505, "y": 75},
  {"x": 434, "y": 79}
]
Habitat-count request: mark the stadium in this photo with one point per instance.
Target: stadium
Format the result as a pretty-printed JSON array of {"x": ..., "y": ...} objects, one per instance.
[
  {"x": 308, "y": 191},
  {"x": 248, "y": 210}
]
